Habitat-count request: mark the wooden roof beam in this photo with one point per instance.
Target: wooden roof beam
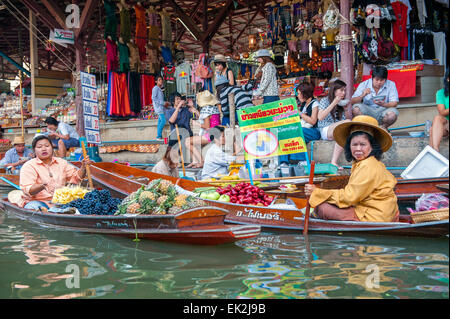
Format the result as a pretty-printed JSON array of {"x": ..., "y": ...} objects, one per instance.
[
  {"x": 86, "y": 15},
  {"x": 224, "y": 12},
  {"x": 187, "y": 21},
  {"x": 56, "y": 12},
  {"x": 40, "y": 13}
]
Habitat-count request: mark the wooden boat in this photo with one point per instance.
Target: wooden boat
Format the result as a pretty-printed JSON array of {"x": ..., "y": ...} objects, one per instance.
[
  {"x": 7, "y": 179},
  {"x": 201, "y": 225},
  {"x": 117, "y": 178},
  {"x": 406, "y": 189}
]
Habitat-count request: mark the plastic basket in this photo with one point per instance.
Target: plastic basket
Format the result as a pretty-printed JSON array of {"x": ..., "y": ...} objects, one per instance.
[
  {"x": 322, "y": 169},
  {"x": 430, "y": 215}
]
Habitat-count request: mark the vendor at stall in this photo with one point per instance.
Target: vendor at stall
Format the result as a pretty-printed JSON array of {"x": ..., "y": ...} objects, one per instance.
[
  {"x": 41, "y": 176},
  {"x": 369, "y": 195},
  {"x": 16, "y": 156},
  {"x": 63, "y": 135}
]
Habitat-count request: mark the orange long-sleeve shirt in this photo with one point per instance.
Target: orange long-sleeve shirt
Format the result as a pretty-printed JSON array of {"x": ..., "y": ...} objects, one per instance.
[{"x": 56, "y": 175}]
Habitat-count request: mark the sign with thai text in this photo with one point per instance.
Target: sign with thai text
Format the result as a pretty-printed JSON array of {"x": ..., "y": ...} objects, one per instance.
[
  {"x": 271, "y": 129},
  {"x": 90, "y": 107}
]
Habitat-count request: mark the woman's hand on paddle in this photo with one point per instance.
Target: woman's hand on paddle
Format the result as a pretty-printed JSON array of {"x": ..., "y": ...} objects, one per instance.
[
  {"x": 86, "y": 161},
  {"x": 309, "y": 189}
]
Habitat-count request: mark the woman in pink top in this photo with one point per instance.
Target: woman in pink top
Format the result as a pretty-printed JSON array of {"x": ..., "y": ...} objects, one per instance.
[{"x": 40, "y": 176}]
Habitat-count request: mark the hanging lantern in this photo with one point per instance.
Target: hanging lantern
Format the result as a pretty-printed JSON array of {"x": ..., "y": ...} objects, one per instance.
[
  {"x": 245, "y": 55},
  {"x": 252, "y": 44}
]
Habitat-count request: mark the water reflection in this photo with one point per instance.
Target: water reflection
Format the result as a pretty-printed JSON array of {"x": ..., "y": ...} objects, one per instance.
[{"x": 34, "y": 263}]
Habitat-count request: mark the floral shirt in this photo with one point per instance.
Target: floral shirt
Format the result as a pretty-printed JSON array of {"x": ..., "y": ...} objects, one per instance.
[
  {"x": 328, "y": 120},
  {"x": 269, "y": 84}
]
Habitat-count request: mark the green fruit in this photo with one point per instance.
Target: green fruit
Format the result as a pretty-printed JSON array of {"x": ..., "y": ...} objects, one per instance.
[
  {"x": 224, "y": 198},
  {"x": 213, "y": 196},
  {"x": 204, "y": 195}
]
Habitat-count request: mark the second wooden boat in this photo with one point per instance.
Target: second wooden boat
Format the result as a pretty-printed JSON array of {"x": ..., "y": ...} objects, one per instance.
[{"x": 119, "y": 178}]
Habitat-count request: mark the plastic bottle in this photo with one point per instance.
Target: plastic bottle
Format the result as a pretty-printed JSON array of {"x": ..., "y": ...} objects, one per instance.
[{"x": 427, "y": 127}]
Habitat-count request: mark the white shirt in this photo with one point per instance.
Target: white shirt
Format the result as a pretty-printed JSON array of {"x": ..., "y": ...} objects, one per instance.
[
  {"x": 216, "y": 162},
  {"x": 388, "y": 92},
  {"x": 64, "y": 129}
]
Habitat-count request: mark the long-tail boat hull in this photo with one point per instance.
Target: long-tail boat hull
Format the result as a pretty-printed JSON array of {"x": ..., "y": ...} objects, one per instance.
[
  {"x": 202, "y": 225},
  {"x": 120, "y": 179}
]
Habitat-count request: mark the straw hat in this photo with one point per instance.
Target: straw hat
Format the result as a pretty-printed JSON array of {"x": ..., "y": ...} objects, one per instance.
[
  {"x": 15, "y": 196},
  {"x": 205, "y": 98},
  {"x": 220, "y": 58},
  {"x": 18, "y": 140},
  {"x": 365, "y": 124}
]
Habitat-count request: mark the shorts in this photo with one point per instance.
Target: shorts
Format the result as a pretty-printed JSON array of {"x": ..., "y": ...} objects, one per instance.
[
  {"x": 71, "y": 142},
  {"x": 376, "y": 112},
  {"x": 324, "y": 133}
]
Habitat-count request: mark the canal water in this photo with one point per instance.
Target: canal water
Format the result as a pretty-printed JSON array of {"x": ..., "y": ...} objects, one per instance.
[{"x": 45, "y": 263}]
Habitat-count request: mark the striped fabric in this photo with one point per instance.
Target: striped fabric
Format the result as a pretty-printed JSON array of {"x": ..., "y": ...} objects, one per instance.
[{"x": 242, "y": 97}]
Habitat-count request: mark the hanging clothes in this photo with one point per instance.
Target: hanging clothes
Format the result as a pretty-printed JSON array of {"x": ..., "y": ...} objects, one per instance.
[
  {"x": 297, "y": 18},
  {"x": 440, "y": 47},
  {"x": 141, "y": 30},
  {"x": 147, "y": 84},
  {"x": 183, "y": 77},
  {"x": 170, "y": 85},
  {"x": 286, "y": 21},
  {"x": 134, "y": 89},
  {"x": 124, "y": 57},
  {"x": 112, "y": 63},
  {"x": 166, "y": 29},
  {"x": 154, "y": 29},
  {"x": 423, "y": 45},
  {"x": 274, "y": 19},
  {"x": 111, "y": 20},
  {"x": 278, "y": 51},
  {"x": 151, "y": 60},
  {"x": 134, "y": 56},
  {"x": 118, "y": 98},
  {"x": 400, "y": 33},
  {"x": 125, "y": 24}
]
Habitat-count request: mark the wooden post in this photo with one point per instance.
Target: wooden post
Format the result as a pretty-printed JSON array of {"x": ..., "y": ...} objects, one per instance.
[
  {"x": 21, "y": 104},
  {"x": 232, "y": 111},
  {"x": 346, "y": 52},
  {"x": 33, "y": 61},
  {"x": 79, "y": 57}
]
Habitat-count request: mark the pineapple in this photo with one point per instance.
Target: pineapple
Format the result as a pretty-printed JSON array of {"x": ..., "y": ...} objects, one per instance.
[
  {"x": 165, "y": 186},
  {"x": 133, "y": 208},
  {"x": 145, "y": 195},
  {"x": 160, "y": 201},
  {"x": 180, "y": 200},
  {"x": 174, "y": 210}
]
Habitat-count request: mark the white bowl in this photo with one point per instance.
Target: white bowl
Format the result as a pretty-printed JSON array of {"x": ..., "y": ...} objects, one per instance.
[{"x": 416, "y": 134}]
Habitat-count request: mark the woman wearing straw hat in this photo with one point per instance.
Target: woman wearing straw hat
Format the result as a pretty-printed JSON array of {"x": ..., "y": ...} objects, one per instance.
[
  {"x": 16, "y": 156},
  {"x": 209, "y": 118},
  {"x": 268, "y": 87},
  {"x": 369, "y": 194},
  {"x": 220, "y": 64}
]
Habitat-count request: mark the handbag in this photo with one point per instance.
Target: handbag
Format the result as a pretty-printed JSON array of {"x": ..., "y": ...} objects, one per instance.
[
  {"x": 386, "y": 47},
  {"x": 368, "y": 50},
  {"x": 202, "y": 70}
]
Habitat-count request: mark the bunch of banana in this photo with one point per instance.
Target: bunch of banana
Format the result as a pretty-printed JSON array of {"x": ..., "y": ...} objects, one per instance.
[{"x": 67, "y": 194}]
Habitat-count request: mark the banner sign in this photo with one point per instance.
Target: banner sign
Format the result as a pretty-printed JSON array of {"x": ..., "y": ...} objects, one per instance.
[
  {"x": 62, "y": 36},
  {"x": 90, "y": 108},
  {"x": 271, "y": 129}
]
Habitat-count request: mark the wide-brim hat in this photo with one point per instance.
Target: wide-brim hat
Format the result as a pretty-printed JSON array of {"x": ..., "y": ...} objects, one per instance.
[
  {"x": 262, "y": 53},
  {"x": 18, "y": 140},
  {"x": 363, "y": 123},
  {"x": 205, "y": 98},
  {"x": 220, "y": 58}
]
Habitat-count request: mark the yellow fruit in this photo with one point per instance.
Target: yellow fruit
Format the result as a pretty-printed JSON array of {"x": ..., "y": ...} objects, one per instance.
[{"x": 133, "y": 208}]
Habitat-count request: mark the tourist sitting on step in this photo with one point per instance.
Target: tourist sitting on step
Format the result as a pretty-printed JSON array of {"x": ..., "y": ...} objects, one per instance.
[
  {"x": 180, "y": 115},
  {"x": 309, "y": 111},
  {"x": 63, "y": 136},
  {"x": 209, "y": 117},
  {"x": 377, "y": 97},
  {"x": 369, "y": 195},
  {"x": 439, "y": 128},
  {"x": 331, "y": 114},
  {"x": 16, "y": 156}
]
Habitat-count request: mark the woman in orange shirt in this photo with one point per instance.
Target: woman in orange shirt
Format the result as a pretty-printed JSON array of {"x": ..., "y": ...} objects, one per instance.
[{"x": 40, "y": 176}]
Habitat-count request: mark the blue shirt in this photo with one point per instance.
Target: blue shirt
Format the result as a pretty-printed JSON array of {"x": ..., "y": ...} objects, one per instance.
[
  {"x": 158, "y": 99},
  {"x": 11, "y": 157},
  {"x": 183, "y": 119},
  {"x": 388, "y": 92}
]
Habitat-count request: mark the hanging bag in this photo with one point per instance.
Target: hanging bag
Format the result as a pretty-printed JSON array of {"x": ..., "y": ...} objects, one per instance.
[
  {"x": 386, "y": 47},
  {"x": 368, "y": 49},
  {"x": 202, "y": 70}
]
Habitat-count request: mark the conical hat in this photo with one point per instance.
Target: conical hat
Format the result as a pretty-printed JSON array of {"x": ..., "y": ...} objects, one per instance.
[{"x": 363, "y": 123}]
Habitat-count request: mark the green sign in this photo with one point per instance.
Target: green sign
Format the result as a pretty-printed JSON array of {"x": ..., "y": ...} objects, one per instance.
[{"x": 271, "y": 129}]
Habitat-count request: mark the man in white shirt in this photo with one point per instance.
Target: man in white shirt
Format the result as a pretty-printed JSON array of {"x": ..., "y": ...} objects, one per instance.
[
  {"x": 63, "y": 136},
  {"x": 377, "y": 97}
]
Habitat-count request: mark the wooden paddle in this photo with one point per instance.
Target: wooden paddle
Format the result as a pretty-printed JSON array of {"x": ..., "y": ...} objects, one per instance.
[
  {"x": 181, "y": 150},
  {"x": 88, "y": 169},
  {"x": 308, "y": 208}
]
